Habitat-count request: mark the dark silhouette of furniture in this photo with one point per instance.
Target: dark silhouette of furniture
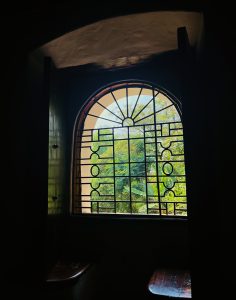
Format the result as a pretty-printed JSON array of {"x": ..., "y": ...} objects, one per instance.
[{"x": 64, "y": 271}]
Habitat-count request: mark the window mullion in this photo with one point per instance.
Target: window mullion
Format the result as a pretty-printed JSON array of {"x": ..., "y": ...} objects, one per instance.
[{"x": 155, "y": 133}]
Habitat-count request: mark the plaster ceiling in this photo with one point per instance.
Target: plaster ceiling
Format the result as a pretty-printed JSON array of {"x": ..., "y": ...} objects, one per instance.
[{"x": 123, "y": 40}]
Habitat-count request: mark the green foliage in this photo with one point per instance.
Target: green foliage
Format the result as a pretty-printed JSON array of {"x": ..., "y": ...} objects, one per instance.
[
  {"x": 138, "y": 184},
  {"x": 130, "y": 192}
]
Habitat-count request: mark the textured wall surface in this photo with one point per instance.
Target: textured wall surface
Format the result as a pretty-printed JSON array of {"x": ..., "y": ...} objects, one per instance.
[
  {"x": 56, "y": 156},
  {"x": 123, "y": 40}
]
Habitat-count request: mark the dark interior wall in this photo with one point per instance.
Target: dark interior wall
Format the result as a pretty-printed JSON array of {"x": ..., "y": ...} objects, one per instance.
[
  {"x": 36, "y": 163},
  {"x": 57, "y": 148},
  {"x": 58, "y": 162},
  {"x": 212, "y": 228},
  {"x": 213, "y": 212},
  {"x": 26, "y": 173}
]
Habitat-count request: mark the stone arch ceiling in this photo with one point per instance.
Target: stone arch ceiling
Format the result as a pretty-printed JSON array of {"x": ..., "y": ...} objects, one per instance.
[{"x": 123, "y": 40}]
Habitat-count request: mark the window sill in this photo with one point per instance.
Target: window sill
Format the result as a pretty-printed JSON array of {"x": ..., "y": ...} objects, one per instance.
[{"x": 129, "y": 217}]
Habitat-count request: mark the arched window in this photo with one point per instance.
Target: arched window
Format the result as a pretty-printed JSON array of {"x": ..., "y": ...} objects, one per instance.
[{"x": 129, "y": 154}]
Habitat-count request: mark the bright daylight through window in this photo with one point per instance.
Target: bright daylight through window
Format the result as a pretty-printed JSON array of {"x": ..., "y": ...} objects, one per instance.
[{"x": 129, "y": 153}]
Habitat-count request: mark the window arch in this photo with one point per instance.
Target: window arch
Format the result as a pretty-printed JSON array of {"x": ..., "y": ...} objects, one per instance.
[{"x": 128, "y": 153}]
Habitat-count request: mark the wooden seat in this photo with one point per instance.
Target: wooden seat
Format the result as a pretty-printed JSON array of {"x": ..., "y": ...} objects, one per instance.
[
  {"x": 64, "y": 271},
  {"x": 171, "y": 283}
]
